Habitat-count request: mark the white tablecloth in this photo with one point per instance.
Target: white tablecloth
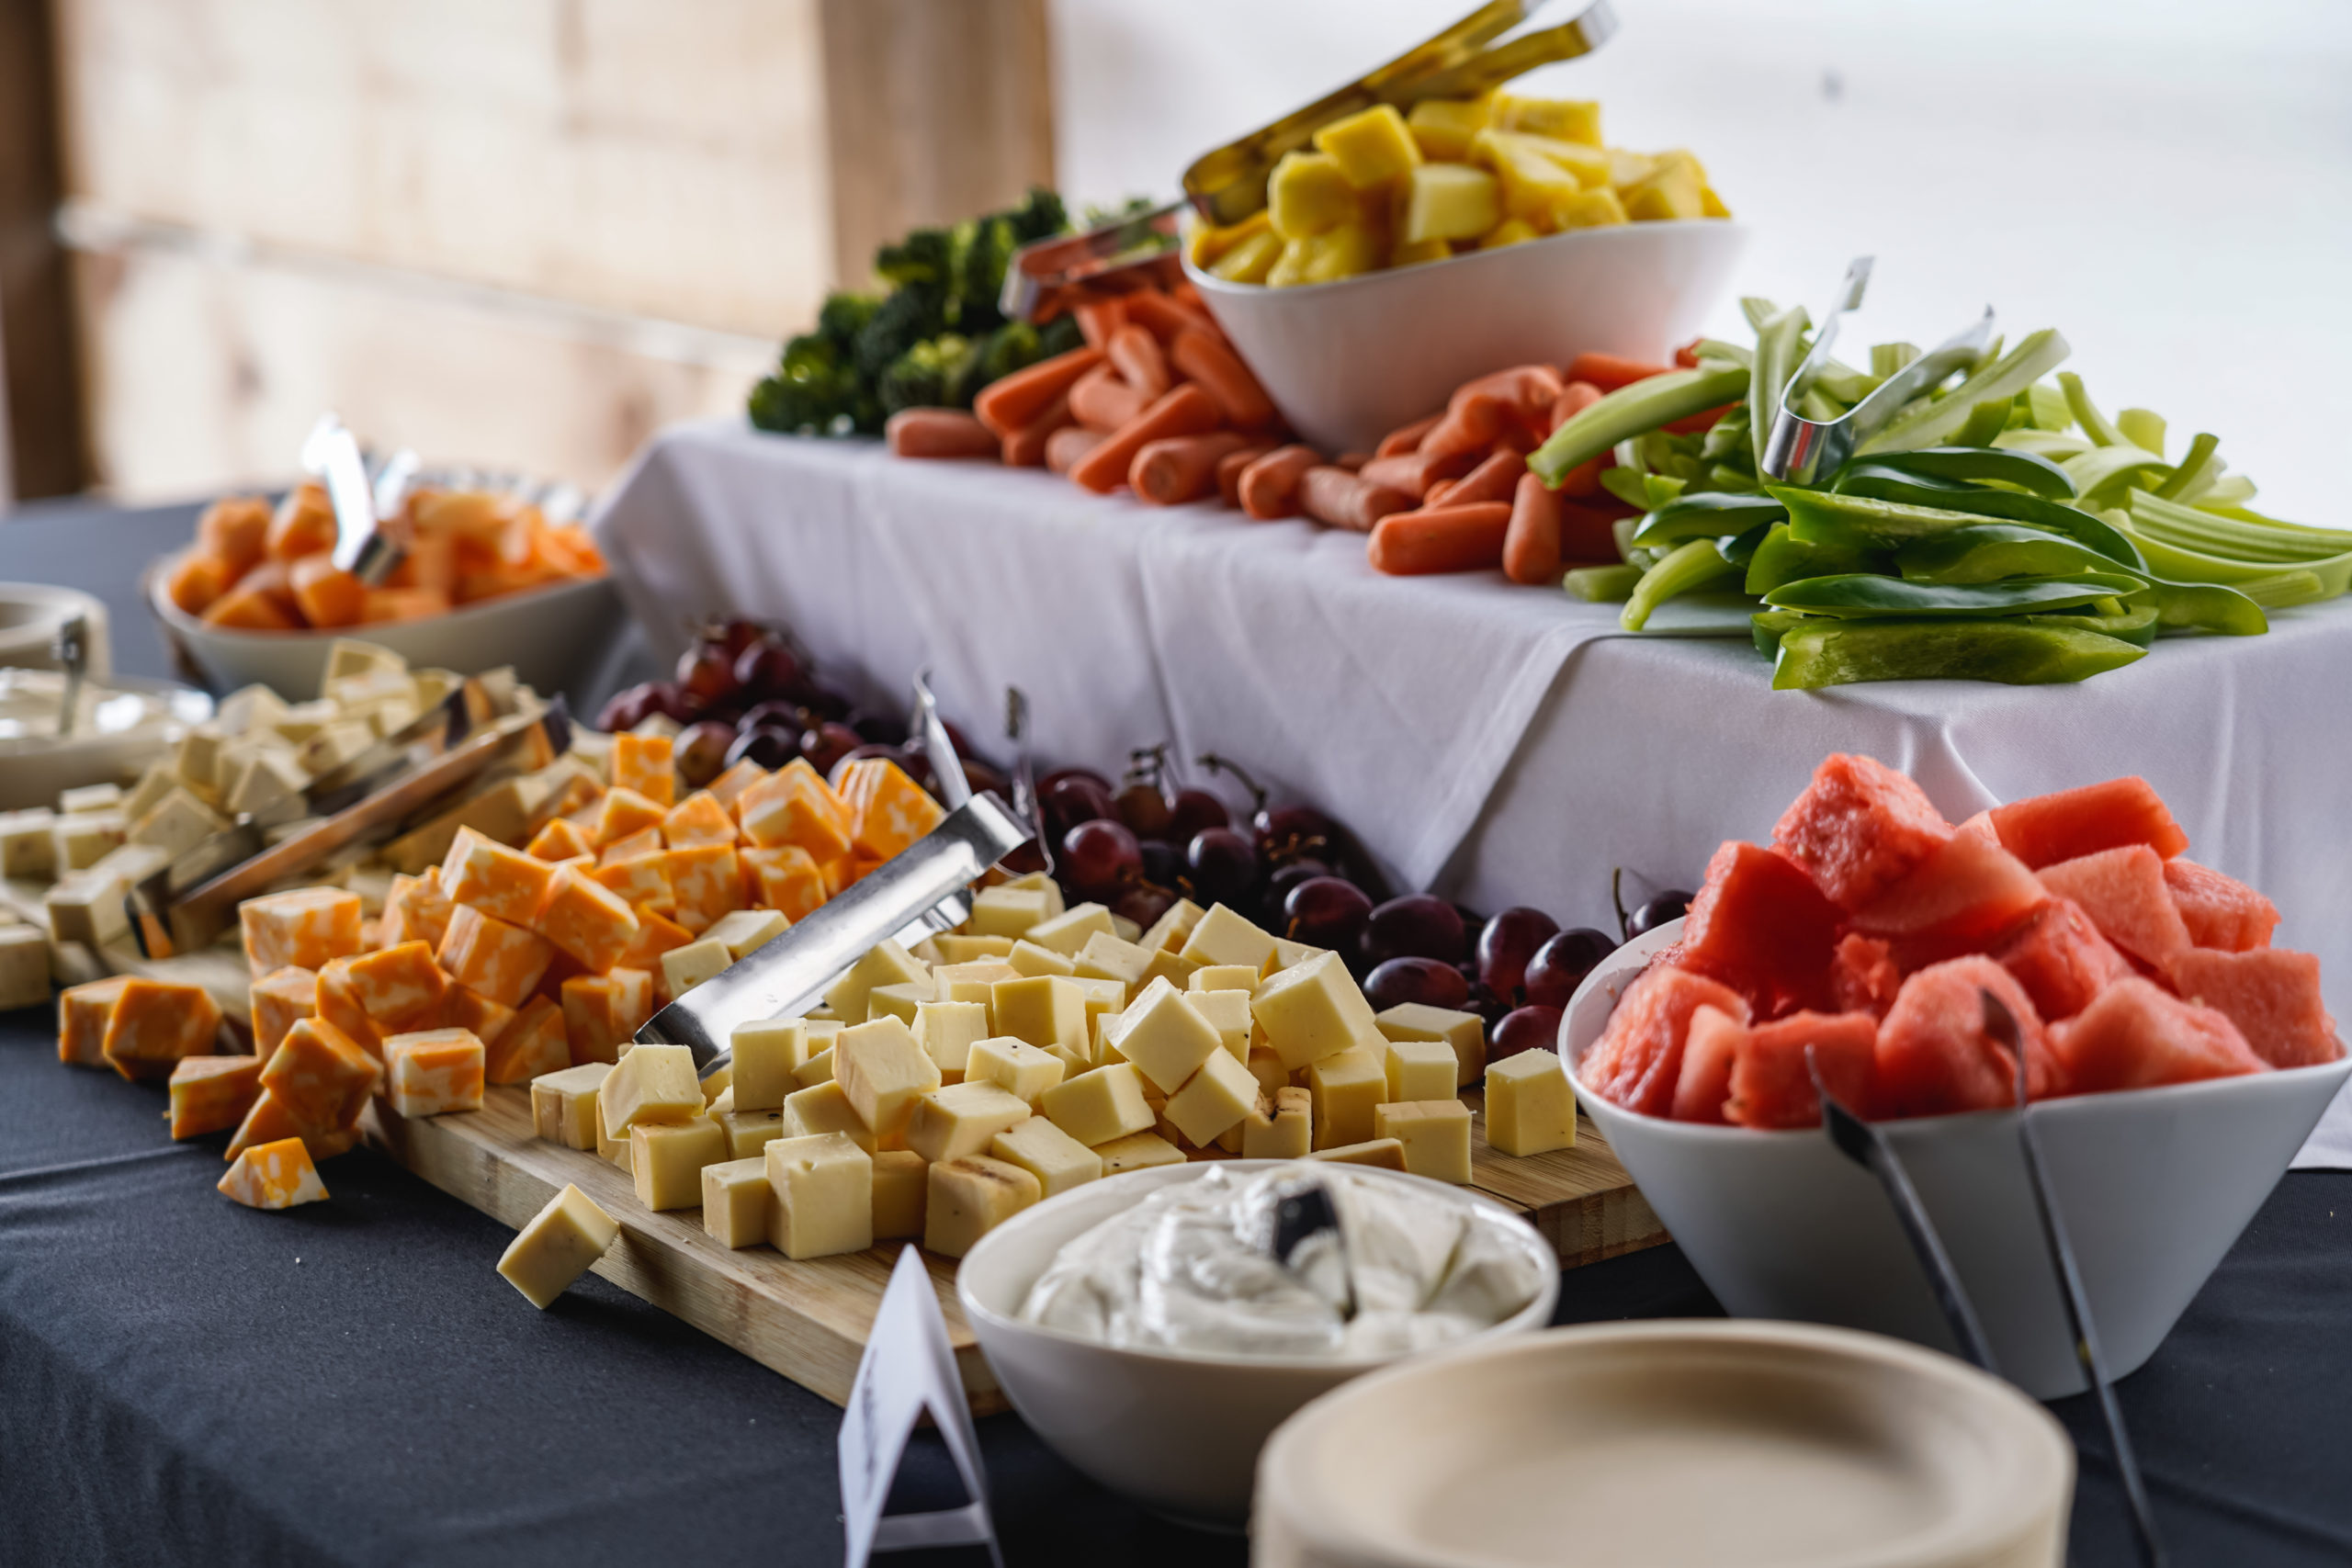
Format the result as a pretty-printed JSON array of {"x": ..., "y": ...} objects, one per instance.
[{"x": 1499, "y": 745}]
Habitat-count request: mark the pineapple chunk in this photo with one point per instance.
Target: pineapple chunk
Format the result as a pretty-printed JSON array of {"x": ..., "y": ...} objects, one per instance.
[
  {"x": 1568, "y": 119},
  {"x": 1207, "y": 242},
  {"x": 1371, "y": 148},
  {"x": 1444, "y": 127},
  {"x": 1252, "y": 260},
  {"x": 1590, "y": 210},
  {"x": 1673, "y": 191},
  {"x": 1532, "y": 184},
  {"x": 1447, "y": 201},
  {"x": 1290, "y": 269},
  {"x": 1423, "y": 250},
  {"x": 1307, "y": 194},
  {"x": 1627, "y": 169},
  {"x": 1350, "y": 249},
  {"x": 1509, "y": 231}
]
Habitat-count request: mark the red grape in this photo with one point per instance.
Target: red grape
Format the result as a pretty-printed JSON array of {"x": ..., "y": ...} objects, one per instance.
[
  {"x": 882, "y": 728},
  {"x": 1560, "y": 965},
  {"x": 790, "y": 716},
  {"x": 1668, "y": 906},
  {"x": 1221, "y": 864},
  {"x": 629, "y": 709},
  {"x": 1423, "y": 980},
  {"x": 767, "y": 669},
  {"x": 1509, "y": 941},
  {"x": 1101, "y": 857},
  {"x": 1531, "y": 1028},
  {"x": 707, "y": 675},
  {"x": 1291, "y": 872},
  {"x": 1163, "y": 862},
  {"x": 827, "y": 744},
  {"x": 1324, "y": 911},
  {"x": 1059, "y": 774},
  {"x": 1144, "y": 905},
  {"x": 1143, "y": 808},
  {"x": 735, "y": 636},
  {"x": 1194, "y": 809},
  {"x": 1285, "y": 832},
  {"x": 702, "y": 752},
  {"x": 769, "y": 745},
  {"x": 1416, "y": 926},
  {"x": 984, "y": 778},
  {"x": 1074, "y": 798}
]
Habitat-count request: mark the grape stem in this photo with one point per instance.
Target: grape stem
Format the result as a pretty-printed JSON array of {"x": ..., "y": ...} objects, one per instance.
[
  {"x": 1147, "y": 765},
  {"x": 1616, "y": 877},
  {"x": 1218, "y": 764}
]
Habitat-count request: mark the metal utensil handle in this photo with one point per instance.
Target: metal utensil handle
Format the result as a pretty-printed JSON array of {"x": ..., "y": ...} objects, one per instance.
[
  {"x": 788, "y": 976},
  {"x": 70, "y": 648},
  {"x": 333, "y": 454},
  {"x": 1800, "y": 450},
  {"x": 946, "y": 768}
]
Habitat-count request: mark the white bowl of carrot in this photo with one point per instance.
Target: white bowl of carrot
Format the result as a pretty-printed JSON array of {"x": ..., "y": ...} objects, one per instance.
[{"x": 1348, "y": 361}]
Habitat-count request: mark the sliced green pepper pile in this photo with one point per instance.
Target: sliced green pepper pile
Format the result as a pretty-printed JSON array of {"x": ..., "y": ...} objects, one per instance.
[{"x": 2001, "y": 528}]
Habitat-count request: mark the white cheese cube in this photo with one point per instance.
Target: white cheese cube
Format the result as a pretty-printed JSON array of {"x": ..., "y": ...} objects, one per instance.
[
  {"x": 272, "y": 775},
  {"x": 200, "y": 756},
  {"x": 557, "y": 1246},
  {"x": 1215, "y": 1100},
  {"x": 1048, "y": 1012},
  {"x": 1174, "y": 928},
  {"x": 965, "y": 948},
  {"x": 1059, "y": 1161},
  {"x": 883, "y": 1070},
  {"x": 1434, "y": 1134},
  {"x": 1387, "y": 1154},
  {"x": 1105, "y": 957},
  {"x": 959, "y": 1119},
  {"x": 1419, "y": 1069},
  {"x": 88, "y": 798},
  {"x": 897, "y": 1001},
  {"x": 1464, "y": 1033},
  {"x": 1097, "y": 1107},
  {"x": 947, "y": 1031},
  {"x": 1346, "y": 1089},
  {"x": 746, "y": 930},
  {"x": 1164, "y": 1036},
  {"x": 563, "y": 1105},
  {"x": 1028, "y": 958},
  {"x": 1007, "y": 911},
  {"x": 765, "y": 1055},
  {"x": 888, "y": 965},
  {"x": 666, "y": 1158},
  {"x": 970, "y": 1197},
  {"x": 901, "y": 1193},
  {"x": 1530, "y": 1107},
  {"x": 1228, "y": 1014},
  {"x": 1223, "y": 977},
  {"x": 1026, "y": 1070},
  {"x": 683, "y": 968},
  {"x": 300, "y": 721},
  {"x": 348, "y": 656},
  {"x": 248, "y": 708},
  {"x": 160, "y": 779},
  {"x": 1138, "y": 1151},
  {"x": 26, "y": 847},
  {"x": 736, "y": 1198},
  {"x": 1313, "y": 1010},
  {"x": 823, "y": 1186},
  {"x": 333, "y": 745},
  {"x": 971, "y": 982},
  {"x": 651, "y": 1083},
  {"x": 1066, "y": 932},
  {"x": 24, "y": 966},
  {"x": 1224, "y": 937},
  {"x": 177, "y": 824},
  {"x": 817, "y": 1069},
  {"x": 1278, "y": 1128},
  {"x": 748, "y": 1132},
  {"x": 76, "y": 843},
  {"x": 824, "y": 1107}
]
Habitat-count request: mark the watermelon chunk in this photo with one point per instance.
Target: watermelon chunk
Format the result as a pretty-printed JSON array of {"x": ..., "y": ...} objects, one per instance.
[
  {"x": 1762, "y": 927},
  {"x": 1959, "y": 900},
  {"x": 1934, "y": 1056},
  {"x": 1637, "y": 1061},
  {"x": 2061, "y": 960},
  {"x": 2124, "y": 893},
  {"x": 1858, "y": 828},
  {"x": 2220, "y": 912},
  {"x": 1704, "y": 1082},
  {"x": 2135, "y": 1036},
  {"x": 2270, "y": 994},
  {"x": 2072, "y": 823},
  {"x": 1862, "y": 976},
  {"x": 1773, "y": 1087}
]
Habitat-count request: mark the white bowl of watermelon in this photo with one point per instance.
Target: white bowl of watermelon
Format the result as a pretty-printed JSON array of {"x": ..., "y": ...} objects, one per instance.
[{"x": 1867, "y": 933}]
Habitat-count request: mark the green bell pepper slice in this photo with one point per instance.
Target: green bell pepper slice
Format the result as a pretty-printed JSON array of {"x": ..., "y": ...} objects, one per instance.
[
  {"x": 1708, "y": 516},
  {"x": 2208, "y": 606},
  {"x": 1765, "y": 627},
  {"x": 2134, "y": 624},
  {"x": 1847, "y": 518},
  {"x": 1987, "y": 552},
  {"x": 1782, "y": 558},
  {"x": 2007, "y": 464},
  {"x": 1740, "y": 549},
  {"x": 2018, "y": 651},
  {"x": 1882, "y": 482},
  {"x": 1688, "y": 568},
  {"x": 1602, "y": 584},
  {"x": 1635, "y": 410},
  {"x": 1863, "y": 594}
]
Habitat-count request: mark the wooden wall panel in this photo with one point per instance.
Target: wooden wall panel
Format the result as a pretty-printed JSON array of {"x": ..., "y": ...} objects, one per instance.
[{"x": 41, "y": 449}]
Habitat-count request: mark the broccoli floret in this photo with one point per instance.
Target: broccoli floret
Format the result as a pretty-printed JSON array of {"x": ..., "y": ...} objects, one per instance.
[
  {"x": 904, "y": 319},
  {"x": 1041, "y": 216},
  {"x": 922, "y": 260},
  {"x": 926, "y": 375},
  {"x": 845, "y": 315},
  {"x": 810, "y": 391},
  {"x": 982, "y": 246}
]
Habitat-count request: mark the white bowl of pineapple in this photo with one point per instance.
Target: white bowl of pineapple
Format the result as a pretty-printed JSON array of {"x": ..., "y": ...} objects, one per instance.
[{"x": 1406, "y": 254}]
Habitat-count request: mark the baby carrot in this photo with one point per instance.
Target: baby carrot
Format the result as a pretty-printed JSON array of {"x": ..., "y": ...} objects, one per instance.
[
  {"x": 1531, "y": 542},
  {"x": 1026, "y": 447},
  {"x": 328, "y": 595},
  {"x": 1230, "y": 467},
  {"x": 1182, "y": 410},
  {"x": 1065, "y": 447},
  {"x": 1610, "y": 371},
  {"x": 1181, "y": 468},
  {"x": 1440, "y": 538},
  {"x": 939, "y": 433},
  {"x": 1101, "y": 401},
  {"x": 1205, "y": 359},
  {"x": 1405, "y": 438},
  {"x": 1140, "y": 364},
  {"x": 1583, "y": 480},
  {"x": 1006, "y": 404},
  {"x": 1332, "y": 495},
  {"x": 1415, "y": 472},
  {"x": 1162, "y": 315},
  {"x": 1268, "y": 487},
  {"x": 1493, "y": 480},
  {"x": 1586, "y": 534},
  {"x": 1098, "y": 319}
]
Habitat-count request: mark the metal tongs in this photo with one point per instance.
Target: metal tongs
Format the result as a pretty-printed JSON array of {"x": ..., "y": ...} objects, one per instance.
[
  {"x": 1800, "y": 450},
  {"x": 361, "y": 548}
]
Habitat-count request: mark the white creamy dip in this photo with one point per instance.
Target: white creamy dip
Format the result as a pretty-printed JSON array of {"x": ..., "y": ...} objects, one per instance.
[{"x": 1187, "y": 1269}]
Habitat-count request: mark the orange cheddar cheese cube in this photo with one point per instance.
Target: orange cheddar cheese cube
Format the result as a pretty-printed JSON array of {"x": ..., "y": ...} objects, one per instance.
[
  {"x": 602, "y": 1011},
  {"x": 269, "y": 1120},
  {"x": 320, "y": 1075},
  {"x": 623, "y": 813},
  {"x": 793, "y": 806},
  {"x": 414, "y": 910},
  {"x": 156, "y": 1022},
  {"x": 493, "y": 957},
  {"x": 461, "y": 1009},
  {"x": 640, "y": 880},
  {"x": 559, "y": 839},
  {"x": 838, "y": 871},
  {"x": 274, "y": 1176},
  {"x": 400, "y": 986},
  {"x": 537, "y": 1042},
  {"x": 698, "y": 819},
  {"x": 83, "y": 1014},
  {"x": 707, "y": 882},
  {"x": 647, "y": 842},
  {"x": 656, "y": 934},
  {"x": 339, "y": 1005},
  {"x": 643, "y": 763},
  {"x": 486, "y": 875},
  {"x": 211, "y": 1094},
  {"x": 731, "y": 784},
  {"x": 887, "y": 810},
  {"x": 588, "y": 921},
  {"x": 304, "y": 928},
  {"x": 433, "y": 1072},
  {"x": 785, "y": 878},
  {"x": 280, "y": 997}
]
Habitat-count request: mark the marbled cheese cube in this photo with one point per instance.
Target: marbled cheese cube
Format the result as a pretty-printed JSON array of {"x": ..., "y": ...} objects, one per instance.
[
  {"x": 698, "y": 819},
  {"x": 783, "y": 878},
  {"x": 1068, "y": 932},
  {"x": 305, "y": 928},
  {"x": 557, "y": 1246},
  {"x": 269, "y": 1120},
  {"x": 959, "y": 1119},
  {"x": 1138, "y": 1151},
  {"x": 793, "y": 806},
  {"x": 1007, "y": 911},
  {"x": 729, "y": 786},
  {"x": 490, "y": 1019},
  {"x": 1028, "y": 959},
  {"x": 735, "y": 1200},
  {"x": 1222, "y": 937},
  {"x": 1227, "y": 1013},
  {"x": 656, "y": 934},
  {"x": 83, "y": 1014},
  {"x": 623, "y": 813},
  {"x": 970, "y": 1197},
  {"x": 320, "y": 1073},
  {"x": 1346, "y": 1087},
  {"x": 887, "y": 964},
  {"x": 765, "y": 1055},
  {"x": 563, "y": 1105},
  {"x": 666, "y": 1158},
  {"x": 645, "y": 763},
  {"x": 1280, "y": 1126},
  {"x": 274, "y": 1176},
  {"x": 153, "y": 1023},
  {"x": 1464, "y": 1033},
  {"x": 746, "y": 931},
  {"x": 748, "y": 1132},
  {"x": 211, "y": 1094},
  {"x": 1046, "y": 1010},
  {"x": 414, "y": 909},
  {"x": 586, "y": 920},
  {"x": 1059, "y": 1161},
  {"x": 1434, "y": 1134},
  {"x": 825, "y": 1107},
  {"x": 560, "y": 839},
  {"x": 523, "y": 1045},
  {"x": 901, "y": 1189},
  {"x": 434, "y": 1071},
  {"x": 1164, "y": 1035},
  {"x": 1386, "y": 1154},
  {"x": 683, "y": 968},
  {"x": 1530, "y": 1107},
  {"x": 492, "y": 957},
  {"x": 1313, "y": 1010},
  {"x": 1022, "y": 1069},
  {"x": 883, "y": 1070},
  {"x": 495, "y": 879},
  {"x": 824, "y": 1196},
  {"x": 1420, "y": 1069},
  {"x": 947, "y": 1031},
  {"x": 652, "y": 1083},
  {"x": 966, "y": 948},
  {"x": 706, "y": 880},
  {"x": 887, "y": 810},
  {"x": 1097, "y": 1107},
  {"x": 400, "y": 986}
]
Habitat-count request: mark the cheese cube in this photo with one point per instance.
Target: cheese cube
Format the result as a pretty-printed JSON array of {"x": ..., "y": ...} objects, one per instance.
[
  {"x": 1174, "y": 968},
  {"x": 400, "y": 986},
  {"x": 613, "y": 1151},
  {"x": 211, "y": 1094},
  {"x": 1313, "y": 1010},
  {"x": 720, "y": 1080},
  {"x": 644, "y": 763},
  {"x": 269, "y": 1120},
  {"x": 1105, "y": 957},
  {"x": 83, "y": 1014},
  {"x": 1214, "y": 1101},
  {"x": 495, "y": 879},
  {"x": 656, "y": 934},
  {"x": 274, "y": 1176},
  {"x": 1266, "y": 1066},
  {"x": 1567, "y": 118},
  {"x": 1222, "y": 937},
  {"x": 1530, "y": 1107},
  {"x": 970, "y": 1197},
  {"x": 699, "y": 818},
  {"x": 278, "y": 999},
  {"x": 793, "y": 806},
  {"x": 1444, "y": 127},
  {"x": 534, "y": 1041},
  {"x": 1387, "y": 1154},
  {"x": 1028, "y": 959},
  {"x": 785, "y": 878},
  {"x": 337, "y": 1005},
  {"x": 1164, "y": 1036},
  {"x": 320, "y": 1073},
  {"x": 560, "y": 839},
  {"x": 89, "y": 799},
  {"x": 1419, "y": 1069},
  {"x": 1346, "y": 1087},
  {"x": 1138, "y": 1151},
  {"x": 1464, "y": 1033},
  {"x": 306, "y": 928},
  {"x": 666, "y": 1158},
  {"x": 1370, "y": 147},
  {"x": 331, "y": 745},
  {"x": 414, "y": 910},
  {"x": 492, "y": 957},
  {"x": 1067, "y": 934},
  {"x": 824, "y": 1196},
  {"x": 1279, "y": 1127},
  {"x": 748, "y": 1132},
  {"x": 887, "y": 964},
  {"x": 959, "y": 1119},
  {"x": 557, "y": 1246},
  {"x": 735, "y": 1200},
  {"x": 887, "y": 810},
  {"x": 765, "y": 1054},
  {"x": 899, "y": 1001},
  {"x": 972, "y": 982},
  {"x": 744, "y": 931},
  {"x": 622, "y": 812},
  {"x": 1104, "y": 999},
  {"x": 969, "y": 949},
  {"x": 586, "y": 919},
  {"x": 298, "y": 723},
  {"x": 1007, "y": 911},
  {"x": 683, "y": 968},
  {"x": 652, "y": 1083},
  {"x": 601, "y": 1013},
  {"x": 732, "y": 784},
  {"x": 947, "y": 1031},
  {"x": 883, "y": 1070},
  {"x": 563, "y": 1105},
  {"x": 901, "y": 1189},
  {"x": 153, "y": 1023},
  {"x": 177, "y": 824},
  {"x": 1025, "y": 1070},
  {"x": 1434, "y": 1135},
  {"x": 1097, "y": 1107},
  {"x": 1228, "y": 1013},
  {"x": 1059, "y": 1161},
  {"x": 825, "y": 1107},
  {"x": 1239, "y": 977},
  {"x": 433, "y": 1072},
  {"x": 271, "y": 776},
  {"x": 158, "y": 780},
  {"x": 1046, "y": 1010},
  {"x": 26, "y": 848},
  {"x": 819, "y": 1067},
  {"x": 706, "y": 880},
  {"x": 1174, "y": 928},
  {"x": 24, "y": 966}
]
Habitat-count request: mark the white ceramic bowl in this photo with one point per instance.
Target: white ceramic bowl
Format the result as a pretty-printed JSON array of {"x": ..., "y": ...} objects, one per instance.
[
  {"x": 1178, "y": 1433},
  {"x": 551, "y": 636},
  {"x": 129, "y": 722},
  {"x": 1348, "y": 362},
  {"x": 2154, "y": 1185},
  {"x": 30, "y": 613},
  {"x": 1673, "y": 1445}
]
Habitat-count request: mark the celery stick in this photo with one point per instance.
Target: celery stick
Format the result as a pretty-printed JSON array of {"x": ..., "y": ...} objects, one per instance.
[
  {"x": 2340, "y": 538},
  {"x": 1927, "y": 421},
  {"x": 2142, "y": 427},
  {"x": 2234, "y": 490},
  {"x": 2050, "y": 410},
  {"x": 2193, "y": 463},
  {"x": 2049, "y": 443},
  {"x": 1602, "y": 584},
  {"x": 2095, "y": 423},
  {"x": 1886, "y": 358},
  {"x": 1685, "y": 569},
  {"x": 2094, "y": 471},
  {"x": 1633, "y": 410}
]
